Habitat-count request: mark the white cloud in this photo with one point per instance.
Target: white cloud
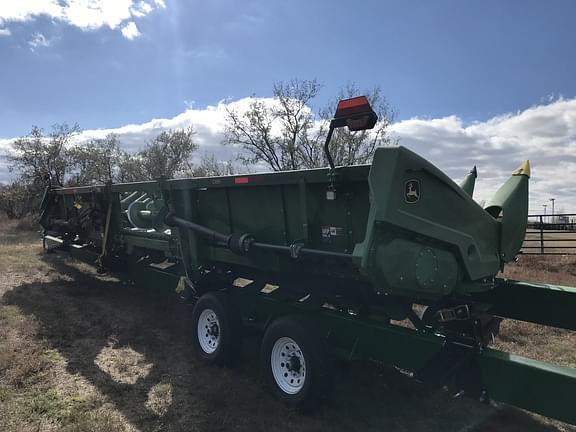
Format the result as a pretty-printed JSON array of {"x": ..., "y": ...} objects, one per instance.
[
  {"x": 545, "y": 134},
  {"x": 141, "y": 9},
  {"x": 5, "y": 32},
  {"x": 130, "y": 31},
  {"x": 207, "y": 122},
  {"x": 38, "y": 41},
  {"x": 84, "y": 14}
]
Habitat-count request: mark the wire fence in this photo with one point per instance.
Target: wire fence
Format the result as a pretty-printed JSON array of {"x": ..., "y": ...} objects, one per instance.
[{"x": 550, "y": 234}]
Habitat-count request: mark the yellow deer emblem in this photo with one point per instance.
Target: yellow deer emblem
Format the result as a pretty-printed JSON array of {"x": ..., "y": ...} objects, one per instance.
[{"x": 412, "y": 192}]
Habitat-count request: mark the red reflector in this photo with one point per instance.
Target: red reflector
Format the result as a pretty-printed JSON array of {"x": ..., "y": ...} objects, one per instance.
[
  {"x": 352, "y": 107},
  {"x": 353, "y": 102},
  {"x": 241, "y": 180}
]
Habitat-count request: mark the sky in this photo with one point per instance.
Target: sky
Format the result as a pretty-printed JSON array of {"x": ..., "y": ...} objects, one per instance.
[{"x": 489, "y": 83}]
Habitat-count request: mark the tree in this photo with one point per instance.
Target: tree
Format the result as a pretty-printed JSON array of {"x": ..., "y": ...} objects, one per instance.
[
  {"x": 209, "y": 166},
  {"x": 97, "y": 161},
  {"x": 273, "y": 134},
  {"x": 287, "y": 135},
  {"x": 17, "y": 199},
  {"x": 38, "y": 156},
  {"x": 130, "y": 168},
  {"x": 167, "y": 154}
]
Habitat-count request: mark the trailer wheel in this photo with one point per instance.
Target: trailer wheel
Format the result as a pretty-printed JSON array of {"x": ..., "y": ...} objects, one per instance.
[
  {"x": 217, "y": 330},
  {"x": 295, "y": 364}
]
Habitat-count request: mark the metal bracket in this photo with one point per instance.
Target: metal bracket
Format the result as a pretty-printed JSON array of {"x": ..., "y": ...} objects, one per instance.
[
  {"x": 456, "y": 367},
  {"x": 456, "y": 313},
  {"x": 186, "y": 289},
  {"x": 295, "y": 249}
]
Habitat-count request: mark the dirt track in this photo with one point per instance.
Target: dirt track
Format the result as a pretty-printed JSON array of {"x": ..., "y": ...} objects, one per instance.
[{"x": 81, "y": 352}]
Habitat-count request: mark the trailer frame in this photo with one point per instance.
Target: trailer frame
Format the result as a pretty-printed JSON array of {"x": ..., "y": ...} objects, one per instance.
[{"x": 483, "y": 373}]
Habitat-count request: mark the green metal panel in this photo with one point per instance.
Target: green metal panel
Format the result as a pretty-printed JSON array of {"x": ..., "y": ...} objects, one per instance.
[
  {"x": 530, "y": 384},
  {"x": 280, "y": 208},
  {"x": 319, "y": 175},
  {"x": 510, "y": 202},
  {"x": 412, "y": 199},
  {"x": 469, "y": 182},
  {"x": 443, "y": 210},
  {"x": 147, "y": 243},
  {"x": 547, "y": 304},
  {"x": 213, "y": 210},
  {"x": 259, "y": 210},
  {"x": 296, "y": 212},
  {"x": 340, "y": 223}
]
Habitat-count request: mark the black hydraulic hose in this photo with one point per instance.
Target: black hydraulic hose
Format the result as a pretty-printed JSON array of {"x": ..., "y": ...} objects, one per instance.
[
  {"x": 225, "y": 240},
  {"x": 207, "y": 233},
  {"x": 301, "y": 251}
]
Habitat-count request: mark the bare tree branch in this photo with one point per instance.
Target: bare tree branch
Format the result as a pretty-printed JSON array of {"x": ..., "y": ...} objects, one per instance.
[{"x": 287, "y": 135}]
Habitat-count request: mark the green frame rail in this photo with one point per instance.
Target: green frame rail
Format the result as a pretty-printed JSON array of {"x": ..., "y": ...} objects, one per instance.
[{"x": 537, "y": 386}]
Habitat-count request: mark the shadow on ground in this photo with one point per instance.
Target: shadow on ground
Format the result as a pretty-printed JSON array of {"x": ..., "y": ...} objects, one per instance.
[{"x": 127, "y": 343}]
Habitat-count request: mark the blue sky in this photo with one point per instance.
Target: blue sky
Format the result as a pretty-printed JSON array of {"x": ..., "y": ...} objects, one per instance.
[
  {"x": 432, "y": 58},
  {"x": 486, "y": 82}
]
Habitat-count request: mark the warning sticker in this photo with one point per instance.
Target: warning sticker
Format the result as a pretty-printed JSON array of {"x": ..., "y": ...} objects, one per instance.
[{"x": 331, "y": 231}]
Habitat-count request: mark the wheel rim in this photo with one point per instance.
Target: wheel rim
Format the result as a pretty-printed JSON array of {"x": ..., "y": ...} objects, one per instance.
[
  {"x": 288, "y": 365},
  {"x": 208, "y": 331}
]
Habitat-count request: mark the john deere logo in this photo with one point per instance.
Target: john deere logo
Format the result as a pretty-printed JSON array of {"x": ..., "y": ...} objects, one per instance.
[{"x": 412, "y": 191}]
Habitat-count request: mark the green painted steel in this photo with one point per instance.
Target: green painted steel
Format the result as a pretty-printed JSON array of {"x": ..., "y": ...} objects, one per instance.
[
  {"x": 536, "y": 386},
  {"x": 533, "y": 385},
  {"x": 354, "y": 337},
  {"x": 547, "y": 304},
  {"x": 469, "y": 182},
  {"x": 510, "y": 203},
  {"x": 418, "y": 215}
]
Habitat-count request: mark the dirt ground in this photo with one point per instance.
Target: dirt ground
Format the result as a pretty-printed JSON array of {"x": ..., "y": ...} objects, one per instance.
[{"x": 84, "y": 352}]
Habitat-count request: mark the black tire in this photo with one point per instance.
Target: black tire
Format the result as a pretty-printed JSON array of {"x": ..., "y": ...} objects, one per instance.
[
  {"x": 318, "y": 376},
  {"x": 226, "y": 333}
]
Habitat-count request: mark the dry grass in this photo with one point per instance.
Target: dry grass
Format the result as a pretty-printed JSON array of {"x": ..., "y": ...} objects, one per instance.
[
  {"x": 559, "y": 270},
  {"x": 81, "y": 352},
  {"x": 553, "y": 242},
  {"x": 549, "y": 344}
]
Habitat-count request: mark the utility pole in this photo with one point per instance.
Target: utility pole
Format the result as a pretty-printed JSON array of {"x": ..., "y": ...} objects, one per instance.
[
  {"x": 552, "y": 199},
  {"x": 544, "y": 205}
]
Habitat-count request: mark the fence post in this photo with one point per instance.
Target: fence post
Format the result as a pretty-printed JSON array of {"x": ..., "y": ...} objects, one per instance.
[{"x": 541, "y": 236}]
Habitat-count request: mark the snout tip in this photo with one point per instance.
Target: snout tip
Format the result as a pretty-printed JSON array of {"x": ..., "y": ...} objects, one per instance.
[{"x": 523, "y": 169}]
